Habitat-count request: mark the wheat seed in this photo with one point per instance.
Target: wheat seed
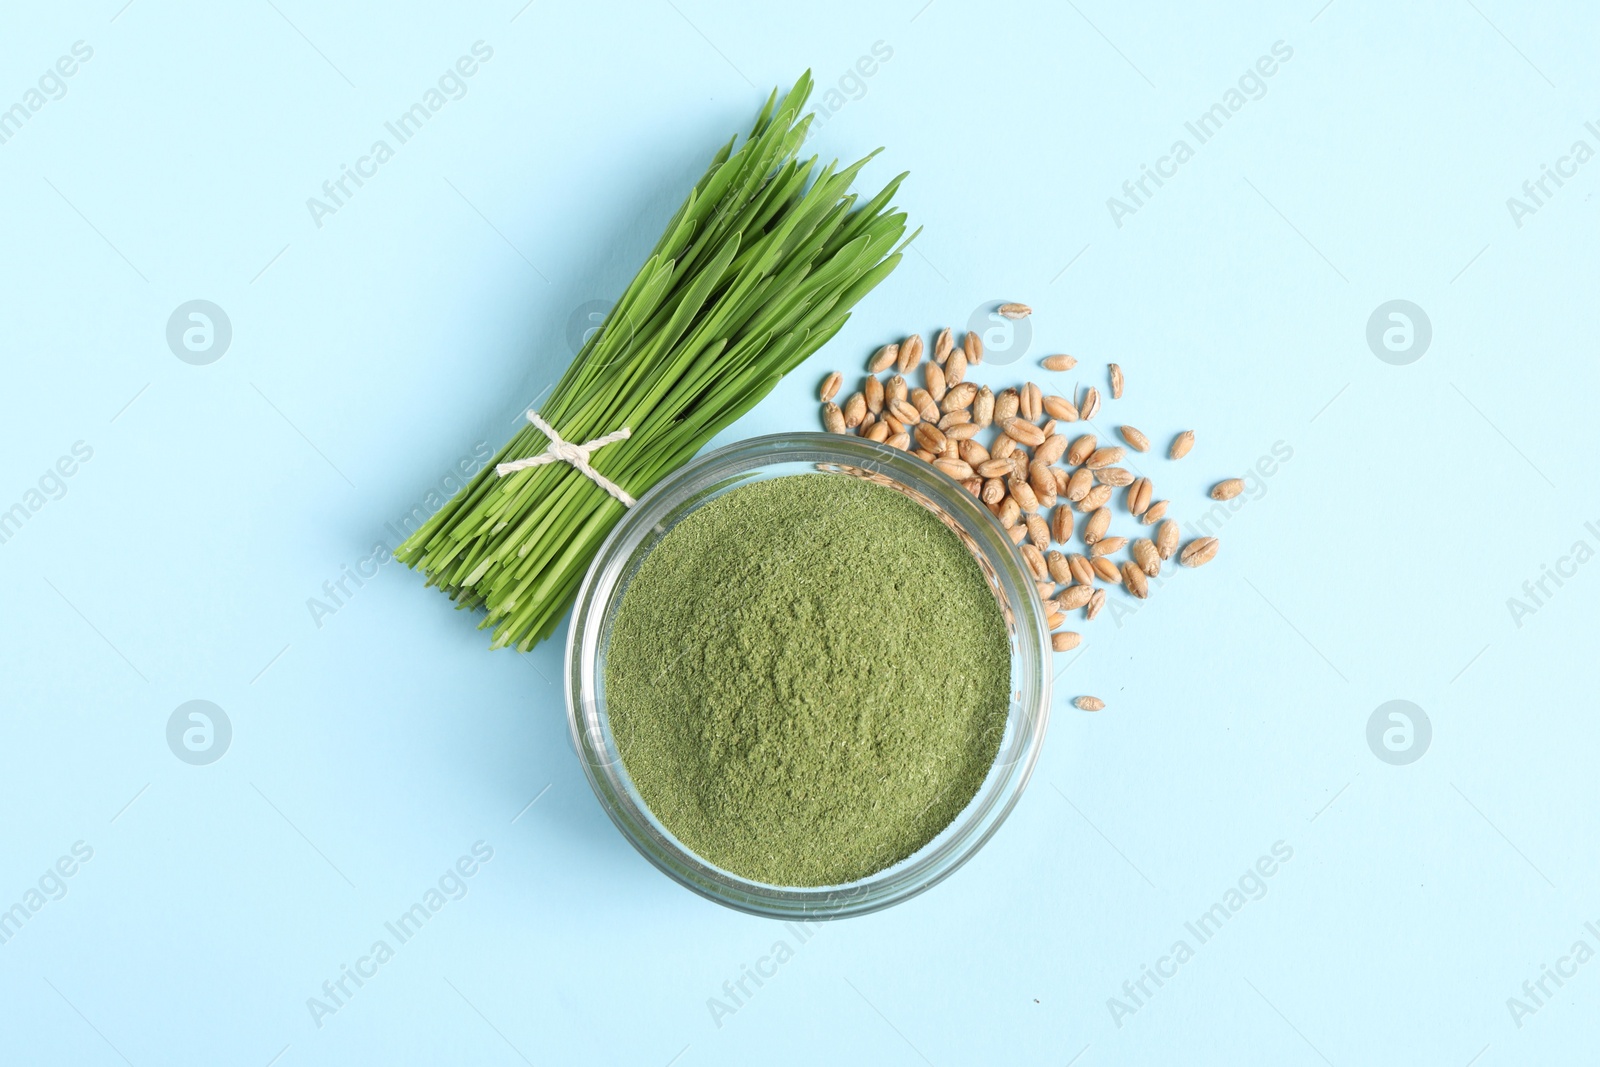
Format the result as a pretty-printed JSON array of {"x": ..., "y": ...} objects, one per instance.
[
  {"x": 832, "y": 417},
  {"x": 1106, "y": 545},
  {"x": 855, "y": 410},
  {"x": 1090, "y": 406},
  {"x": 1061, "y": 525},
  {"x": 1039, "y": 534},
  {"x": 972, "y": 346},
  {"x": 955, "y": 368},
  {"x": 1139, "y": 497},
  {"x": 983, "y": 407},
  {"x": 1029, "y": 402},
  {"x": 1134, "y": 580},
  {"x": 1097, "y": 497},
  {"x": 1167, "y": 538},
  {"x": 1103, "y": 457},
  {"x": 1200, "y": 551},
  {"x": 1075, "y": 596},
  {"x": 1146, "y": 556},
  {"x": 1115, "y": 477},
  {"x": 910, "y": 354},
  {"x": 1099, "y": 522}
]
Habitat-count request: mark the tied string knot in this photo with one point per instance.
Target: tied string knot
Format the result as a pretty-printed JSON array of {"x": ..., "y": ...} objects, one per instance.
[{"x": 559, "y": 451}]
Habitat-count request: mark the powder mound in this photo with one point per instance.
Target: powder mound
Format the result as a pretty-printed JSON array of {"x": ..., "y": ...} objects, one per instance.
[{"x": 808, "y": 679}]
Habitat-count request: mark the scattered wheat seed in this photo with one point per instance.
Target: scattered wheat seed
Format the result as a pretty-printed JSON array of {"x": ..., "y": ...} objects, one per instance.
[
  {"x": 1200, "y": 551},
  {"x": 1167, "y": 538},
  {"x": 983, "y": 407},
  {"x": 1039, "y": 534},
  {"x": 1099, "y": 522},
  {"x": 1022, "y": 431},
  {"x": 1057, "y": 563},
  {"x": 1029, "y": 401},
  {"x": 972, "y": 345},
  {"x": 955, "y": 368},
  {"x": 1104, "y": 457},
  {"x": 872, "y": 389},
  {"x": 1134, "y": 580},
  {"x": 1106, "y": 545},
  {"x": 905, "y": 412},
  {"x": 1061, "y": 525},
  {"x": 910, "y": 354},
  {"x": 930, "y": 437},
  {"x": 1139, "y": 496},
  {"x": 1097, "y": 497},
  {"x": 1115, "y": 477},
  {"x": 855, "y": 410},
  {"x": 832, "y": 417},
  {"x": 1074, "y": 597},
  {"x": 1059, "y": 407}
]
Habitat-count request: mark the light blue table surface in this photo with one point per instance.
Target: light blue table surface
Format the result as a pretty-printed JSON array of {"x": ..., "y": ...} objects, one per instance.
[{"x": 1421, "y": 526}]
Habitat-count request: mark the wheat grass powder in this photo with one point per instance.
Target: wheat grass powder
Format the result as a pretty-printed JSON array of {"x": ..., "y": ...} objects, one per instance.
[{"x": 808, "y": 679}]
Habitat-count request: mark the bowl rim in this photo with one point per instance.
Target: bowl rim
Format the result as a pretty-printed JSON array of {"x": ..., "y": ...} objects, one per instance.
[{"x": 1028, "y": 712}]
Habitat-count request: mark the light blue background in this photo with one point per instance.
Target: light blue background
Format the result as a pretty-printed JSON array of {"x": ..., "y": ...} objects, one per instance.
[{"x": 370, "y": 354}]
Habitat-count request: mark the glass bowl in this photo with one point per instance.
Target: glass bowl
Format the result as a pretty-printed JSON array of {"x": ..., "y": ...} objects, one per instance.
[{"x": 779, "y": 455}]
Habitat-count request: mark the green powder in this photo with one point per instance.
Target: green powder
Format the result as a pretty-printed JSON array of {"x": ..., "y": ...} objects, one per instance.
[{"x": 808, "y": 679}]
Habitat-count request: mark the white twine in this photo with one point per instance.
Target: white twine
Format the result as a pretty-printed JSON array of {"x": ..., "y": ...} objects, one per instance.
[{"x": 566, "y": 452}]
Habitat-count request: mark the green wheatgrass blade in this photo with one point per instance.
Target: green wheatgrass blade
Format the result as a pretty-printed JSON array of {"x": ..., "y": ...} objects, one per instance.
[{"x": 758, "y": 267}]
